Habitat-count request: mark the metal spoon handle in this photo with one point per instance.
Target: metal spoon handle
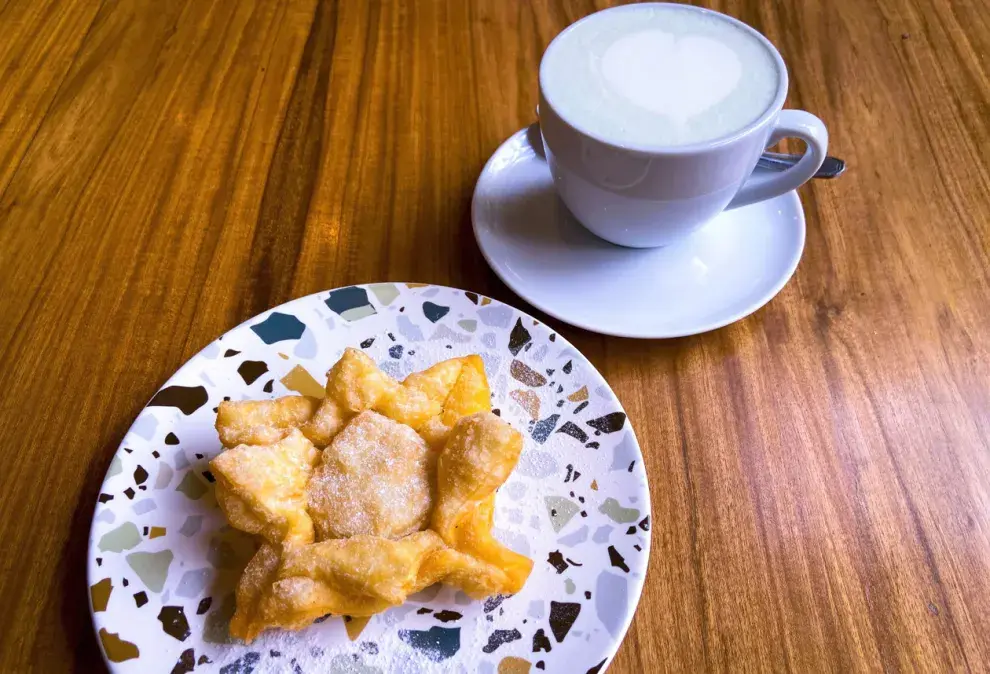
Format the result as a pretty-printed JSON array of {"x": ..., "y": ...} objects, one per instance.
[{"x": 832, "y": 167}]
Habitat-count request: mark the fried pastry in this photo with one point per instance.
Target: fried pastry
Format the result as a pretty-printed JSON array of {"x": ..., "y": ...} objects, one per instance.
[
  {"x": 479, "y": 456},
  {"x": 375, "y": 478},
  {"x": 262, "y": 422},
  {"x": 355, "y": 384},
  {"x": 357, "y": 576},
  {"x": 345, "y": 529},
  {"x": 254, "y": 585},
  {"x": 436, "y": 381},
  {"x": 466, "y": 393},
  {"x": 469, "y": 394},
  {"x": 478, "y": 579},
  {"x": 262, "y": 488}
]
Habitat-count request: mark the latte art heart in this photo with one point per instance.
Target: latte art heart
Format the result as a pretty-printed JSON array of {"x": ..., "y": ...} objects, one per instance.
[
  {"x": 679, "y": 77},
  {"x": 659, "y": 75}
]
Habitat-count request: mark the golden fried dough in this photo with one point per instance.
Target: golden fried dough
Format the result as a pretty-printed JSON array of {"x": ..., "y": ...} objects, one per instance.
[
  {"x": 365, "y": 566},
  {"x": 435, "y": 397},
  {"x": 326, "y": 422},
  {"x": 355, "y": 382},
  {"x": 396, "y": 457},
  {"x": 435, "y": 432},
  {"x": 357, "y": 576},
  {"x": 408, "y": 406},
  {"x": 253, "y": 586},
  {"x": 375, "y": 478},
  {"x": 474, "y": 537},
  {"x": 435, "y": 382},
  {"x": 461, "y": 385},
  {"x": 262, "y": 422},
  {"x": 262, "y": 488},
  {"x": 479, "y": 456},
  {"x": 470, "y": 393},
  {"x": 477, "y": 578}
]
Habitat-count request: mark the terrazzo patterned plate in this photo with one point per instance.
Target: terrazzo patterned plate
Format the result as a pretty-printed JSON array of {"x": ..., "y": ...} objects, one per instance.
[{"x": 163, "y": 563}]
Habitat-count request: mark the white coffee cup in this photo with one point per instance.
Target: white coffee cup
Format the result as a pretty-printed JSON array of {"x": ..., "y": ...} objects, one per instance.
[{"x": 642, "y": 195}]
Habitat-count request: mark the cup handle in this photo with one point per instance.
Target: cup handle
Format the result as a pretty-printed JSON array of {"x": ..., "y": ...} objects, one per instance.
[{"x": 789, "y": 124}]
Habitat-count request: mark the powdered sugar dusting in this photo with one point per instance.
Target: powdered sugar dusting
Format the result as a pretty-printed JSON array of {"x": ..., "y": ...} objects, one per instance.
[{"x": 375, "y": 478}]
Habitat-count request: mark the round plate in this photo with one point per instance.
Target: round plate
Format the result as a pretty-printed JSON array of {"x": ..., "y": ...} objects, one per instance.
[
  {"x": 723, "y": 272},
  {"x": 163, "y": 563}
]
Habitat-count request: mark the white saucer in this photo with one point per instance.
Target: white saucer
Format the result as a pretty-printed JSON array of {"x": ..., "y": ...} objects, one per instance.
[{"x": 721, "y": 273}]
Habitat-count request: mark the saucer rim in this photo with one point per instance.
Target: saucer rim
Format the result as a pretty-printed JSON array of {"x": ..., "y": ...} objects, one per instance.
[{"x": 786, "y": 275}]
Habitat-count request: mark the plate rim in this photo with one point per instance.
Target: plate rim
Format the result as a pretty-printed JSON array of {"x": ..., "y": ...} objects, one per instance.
[
  {"x": 519, "y": 290},
  {"x": 637, "y": 583}
]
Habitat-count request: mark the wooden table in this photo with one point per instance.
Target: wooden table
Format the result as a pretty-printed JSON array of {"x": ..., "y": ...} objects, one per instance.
[{"x": 820, "y": 471}]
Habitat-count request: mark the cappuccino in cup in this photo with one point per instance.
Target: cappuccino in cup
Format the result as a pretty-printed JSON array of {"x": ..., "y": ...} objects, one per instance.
[
  {"x": 654, "y": 115},
  {"x": 659, "y": 75}
]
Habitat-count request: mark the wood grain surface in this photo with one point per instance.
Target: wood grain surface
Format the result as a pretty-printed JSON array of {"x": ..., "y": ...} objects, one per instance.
[{"x": 820, "y": 471}]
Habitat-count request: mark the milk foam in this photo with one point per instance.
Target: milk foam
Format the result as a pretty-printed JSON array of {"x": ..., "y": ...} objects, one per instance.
[{"x": 659, "y": 75}]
